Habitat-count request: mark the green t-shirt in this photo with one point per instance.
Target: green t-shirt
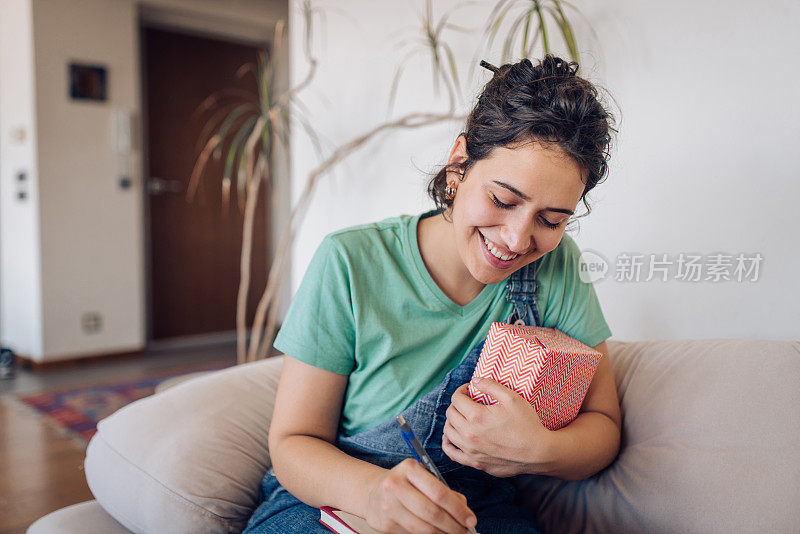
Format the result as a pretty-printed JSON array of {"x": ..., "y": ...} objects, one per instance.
[{"x": 368, "y": 308}]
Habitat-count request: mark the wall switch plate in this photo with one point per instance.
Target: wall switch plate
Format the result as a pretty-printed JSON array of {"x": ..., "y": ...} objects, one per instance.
[
  {"x": 122, "y": 130},
  {"x": 91, "y": 322}
]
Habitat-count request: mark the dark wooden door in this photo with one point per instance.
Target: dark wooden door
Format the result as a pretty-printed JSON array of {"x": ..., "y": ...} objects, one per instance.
[{"x": 194, "y": 248}]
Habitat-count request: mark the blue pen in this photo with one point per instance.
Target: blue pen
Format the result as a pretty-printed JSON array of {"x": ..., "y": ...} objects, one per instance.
[{"x": 420, "y": 454}]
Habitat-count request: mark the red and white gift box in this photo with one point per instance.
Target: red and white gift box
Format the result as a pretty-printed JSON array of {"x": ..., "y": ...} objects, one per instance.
[{"x": 550, "y": 369}]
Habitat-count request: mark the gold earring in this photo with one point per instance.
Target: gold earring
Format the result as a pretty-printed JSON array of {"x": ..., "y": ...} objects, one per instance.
[{"x": 450, "y": 190}]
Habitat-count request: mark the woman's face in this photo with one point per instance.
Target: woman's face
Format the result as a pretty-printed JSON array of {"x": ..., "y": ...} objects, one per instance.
[{"x": 519, "y": 200}]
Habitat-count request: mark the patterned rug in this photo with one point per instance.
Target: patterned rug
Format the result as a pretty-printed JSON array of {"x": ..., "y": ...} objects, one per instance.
[{"x": 78, "y": 409}]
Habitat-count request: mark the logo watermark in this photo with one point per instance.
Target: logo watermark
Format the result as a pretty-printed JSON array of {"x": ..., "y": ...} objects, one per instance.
[
  {"x": 593, "y": 267},
  {"x": 683, "y": 267}
]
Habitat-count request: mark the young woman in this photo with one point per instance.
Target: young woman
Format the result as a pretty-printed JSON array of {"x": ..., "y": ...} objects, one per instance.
[{"x": 391, "y": 316}]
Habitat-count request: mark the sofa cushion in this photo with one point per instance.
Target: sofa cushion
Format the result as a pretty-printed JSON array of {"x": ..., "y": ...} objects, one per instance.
[
  {"x": 84, "y": 518},
  {"x": 190, "y": 458},
  {"x": 710, "y": 443}
]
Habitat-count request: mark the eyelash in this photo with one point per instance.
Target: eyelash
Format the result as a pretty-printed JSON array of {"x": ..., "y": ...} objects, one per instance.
[{"x": 509, "y": 206}]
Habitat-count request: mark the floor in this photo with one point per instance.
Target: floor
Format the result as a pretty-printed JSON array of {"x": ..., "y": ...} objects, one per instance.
[{"x": 41, "y": 467}]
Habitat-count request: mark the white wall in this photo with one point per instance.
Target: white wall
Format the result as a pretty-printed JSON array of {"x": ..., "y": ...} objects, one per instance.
[
  {"x": 92, "y": 251},
  {"x": 20, "y": 265},
  {"x": 705, "y": 160},
  {"x": 91, "y": 228}
]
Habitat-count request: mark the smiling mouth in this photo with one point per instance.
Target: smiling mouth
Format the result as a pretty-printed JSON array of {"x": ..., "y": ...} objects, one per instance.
[{"x": 496, "y": 252}]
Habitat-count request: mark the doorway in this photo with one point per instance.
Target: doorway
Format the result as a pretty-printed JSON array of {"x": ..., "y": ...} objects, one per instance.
[{"x": 192, "y": 249}]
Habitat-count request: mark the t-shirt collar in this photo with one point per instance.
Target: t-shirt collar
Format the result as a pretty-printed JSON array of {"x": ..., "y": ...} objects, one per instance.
[{"x": 412, "y": 250}]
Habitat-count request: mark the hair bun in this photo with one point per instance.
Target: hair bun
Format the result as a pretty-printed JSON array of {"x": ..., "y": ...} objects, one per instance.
[
  {"x": 555, "y": 66},
  {"x": 524, "y": 71}
]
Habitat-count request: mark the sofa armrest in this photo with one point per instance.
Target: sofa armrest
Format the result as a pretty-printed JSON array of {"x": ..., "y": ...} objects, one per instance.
[
  {"x": 189, "y": 458},
  {"x": 709, "y": 444}
]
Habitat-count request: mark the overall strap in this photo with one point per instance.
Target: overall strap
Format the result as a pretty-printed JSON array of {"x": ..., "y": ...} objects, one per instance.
[{"x": 521, "y": 290}]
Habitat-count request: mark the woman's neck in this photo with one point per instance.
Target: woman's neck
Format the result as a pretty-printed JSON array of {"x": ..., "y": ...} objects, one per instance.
[{"x": 437, "y": 246}]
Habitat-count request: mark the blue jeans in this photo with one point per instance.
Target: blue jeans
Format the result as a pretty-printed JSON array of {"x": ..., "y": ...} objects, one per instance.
[{"x": 490, "y": 497}]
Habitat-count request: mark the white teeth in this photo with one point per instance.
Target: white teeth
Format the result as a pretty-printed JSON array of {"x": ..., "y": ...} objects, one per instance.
[{"x": 496, "y": 253}]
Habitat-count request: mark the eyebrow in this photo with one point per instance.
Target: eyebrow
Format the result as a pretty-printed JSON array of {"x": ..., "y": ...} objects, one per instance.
[{"x": 523, "y": 196}]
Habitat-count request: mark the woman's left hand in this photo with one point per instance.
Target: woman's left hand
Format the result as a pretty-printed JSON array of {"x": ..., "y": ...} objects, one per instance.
[{"x": 502, "y": 439}]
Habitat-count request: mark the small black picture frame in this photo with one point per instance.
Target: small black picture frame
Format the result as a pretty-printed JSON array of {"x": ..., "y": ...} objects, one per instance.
[{"x": 87, "y": 82}]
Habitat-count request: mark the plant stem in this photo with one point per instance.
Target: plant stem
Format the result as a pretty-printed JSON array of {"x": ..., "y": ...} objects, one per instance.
[{"x": 253, "y": 183}]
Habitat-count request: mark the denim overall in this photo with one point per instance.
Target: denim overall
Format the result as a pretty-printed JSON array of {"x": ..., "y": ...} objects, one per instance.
[{"x": 490, "y": 497}]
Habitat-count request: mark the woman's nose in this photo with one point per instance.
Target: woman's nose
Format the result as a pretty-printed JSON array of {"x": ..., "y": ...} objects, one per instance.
[{"x": 518, "y": 238}]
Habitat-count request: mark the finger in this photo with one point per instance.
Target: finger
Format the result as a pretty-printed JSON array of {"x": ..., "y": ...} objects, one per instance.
[
  {"x": 446, "y": 436},
  {"x": 454, "y": 504},
  {"x": 463, "y": 389},
  {"x": 455, "y": 394},
  {"x": 457, "y": 438},
  {"x": 501, "y": 393},
  {"x": 407, "y": 520},
  {"x": 455, "y": 454},
  {"x": 425, "y": 514},
  {"x": 455, "y": 418},
  {"x": 465, "y": 404}
]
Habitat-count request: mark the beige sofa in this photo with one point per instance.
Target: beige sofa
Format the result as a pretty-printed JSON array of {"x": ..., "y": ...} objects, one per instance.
[{"x": 711, "y": 443}]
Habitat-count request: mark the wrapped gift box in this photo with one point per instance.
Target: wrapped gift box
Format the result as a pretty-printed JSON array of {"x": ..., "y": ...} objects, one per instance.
[{"x": 550, "y": 369}]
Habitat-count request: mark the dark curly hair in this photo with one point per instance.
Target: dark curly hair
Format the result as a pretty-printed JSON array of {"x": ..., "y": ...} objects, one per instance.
[{"x": 548, "y": 103}]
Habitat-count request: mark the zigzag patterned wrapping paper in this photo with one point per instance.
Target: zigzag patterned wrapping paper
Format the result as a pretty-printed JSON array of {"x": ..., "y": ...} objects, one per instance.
[{"x": 550, "y": 369}]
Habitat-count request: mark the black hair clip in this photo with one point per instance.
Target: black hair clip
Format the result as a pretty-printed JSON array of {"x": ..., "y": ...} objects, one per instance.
[{"x": 489, "y": 66}]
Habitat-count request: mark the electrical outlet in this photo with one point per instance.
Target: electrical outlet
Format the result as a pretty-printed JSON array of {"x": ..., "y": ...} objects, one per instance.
[{"x": 92, "y": 322}]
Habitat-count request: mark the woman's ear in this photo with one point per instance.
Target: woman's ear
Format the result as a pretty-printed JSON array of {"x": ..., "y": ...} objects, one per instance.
[{"x": 458, "y": 154}]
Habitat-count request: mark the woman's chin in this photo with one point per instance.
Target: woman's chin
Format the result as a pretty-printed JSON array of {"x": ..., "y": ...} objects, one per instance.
[{"x": 489, "y": 276}]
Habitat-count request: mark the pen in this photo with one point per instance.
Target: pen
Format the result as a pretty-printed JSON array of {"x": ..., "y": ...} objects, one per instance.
[{"x": 421, "y": 455}]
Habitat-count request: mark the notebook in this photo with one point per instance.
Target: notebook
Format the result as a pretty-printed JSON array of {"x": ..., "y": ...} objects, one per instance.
[{"x": 344, "y": 522}]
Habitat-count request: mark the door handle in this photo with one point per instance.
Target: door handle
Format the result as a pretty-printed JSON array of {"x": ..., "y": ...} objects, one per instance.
[{"x": 160, "y": 186}]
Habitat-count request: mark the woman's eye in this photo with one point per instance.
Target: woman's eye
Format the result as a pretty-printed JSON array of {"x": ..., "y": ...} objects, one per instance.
[
  {"x": 501, "y": 204},
  {"x": 505, "y": 206},
  {"x": 549, "y": 224}
]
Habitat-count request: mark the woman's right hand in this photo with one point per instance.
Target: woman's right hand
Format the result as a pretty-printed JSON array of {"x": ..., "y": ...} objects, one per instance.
[{"x": 408, "y": 498}]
